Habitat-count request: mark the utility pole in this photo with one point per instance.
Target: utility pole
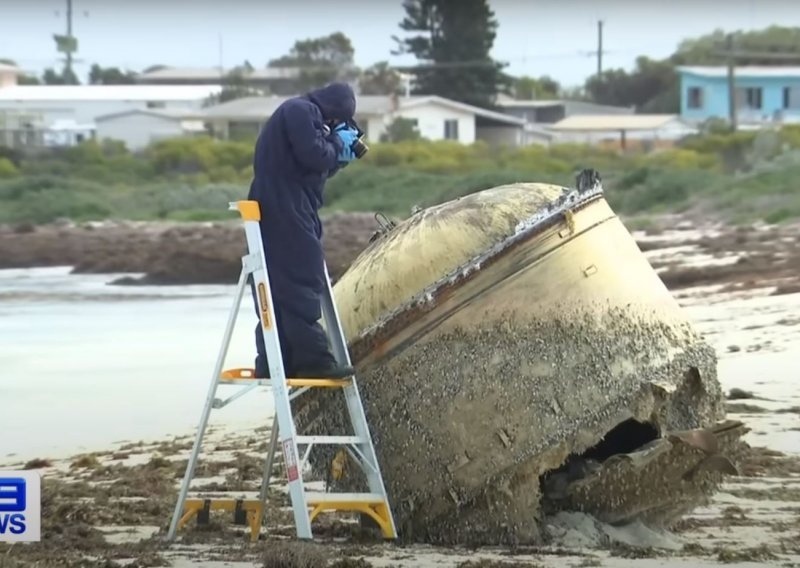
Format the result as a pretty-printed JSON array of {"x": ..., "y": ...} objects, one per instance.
[
  {"x": 69, "y": 35},
  {"x": 600, "y": 51},
  {"x": 67, "y": 44},
  {"x": 731, "y": 82},
  {"x": 599, "y": 48},
  {"x": 221, "y": 61}
]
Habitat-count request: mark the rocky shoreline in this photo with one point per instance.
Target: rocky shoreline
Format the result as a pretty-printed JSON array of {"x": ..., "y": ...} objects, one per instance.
[
  {"x": 165, "y": 253},
  {"x": 684, "y": 254}
]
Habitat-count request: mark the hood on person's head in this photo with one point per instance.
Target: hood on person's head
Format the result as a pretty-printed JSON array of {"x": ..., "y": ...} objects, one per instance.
[{"x": 337, "y": 101}]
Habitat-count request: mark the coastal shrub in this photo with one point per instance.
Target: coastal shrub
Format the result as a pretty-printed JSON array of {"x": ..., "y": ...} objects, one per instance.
[
  {"x": 747, "y": 173},
  {"x": 7, "y": 168}
]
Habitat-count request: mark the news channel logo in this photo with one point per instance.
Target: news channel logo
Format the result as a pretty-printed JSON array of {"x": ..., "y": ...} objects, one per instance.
[{"x": 20, "y": 506}]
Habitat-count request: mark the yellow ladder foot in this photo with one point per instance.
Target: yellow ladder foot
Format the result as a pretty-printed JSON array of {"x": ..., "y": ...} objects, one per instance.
[
  {"x": 245, "y": 511},
  {"x": 372, "y": 505}
]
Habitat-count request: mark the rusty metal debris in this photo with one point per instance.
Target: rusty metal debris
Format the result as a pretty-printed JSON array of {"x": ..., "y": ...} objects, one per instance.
[{"x": 518, "y": 357}]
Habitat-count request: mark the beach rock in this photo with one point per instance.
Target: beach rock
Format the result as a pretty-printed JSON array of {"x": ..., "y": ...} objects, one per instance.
[{"x": 164, "y": 253}]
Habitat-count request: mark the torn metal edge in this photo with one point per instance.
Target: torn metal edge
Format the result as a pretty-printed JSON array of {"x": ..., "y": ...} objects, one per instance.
[{"x": 570, "y": 198}]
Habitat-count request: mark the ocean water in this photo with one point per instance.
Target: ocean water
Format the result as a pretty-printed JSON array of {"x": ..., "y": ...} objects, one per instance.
[{"x": 84, "y": 364}]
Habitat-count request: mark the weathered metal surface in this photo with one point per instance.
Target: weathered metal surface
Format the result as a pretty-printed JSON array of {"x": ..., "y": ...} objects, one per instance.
[{"x": 490, "y": 354}]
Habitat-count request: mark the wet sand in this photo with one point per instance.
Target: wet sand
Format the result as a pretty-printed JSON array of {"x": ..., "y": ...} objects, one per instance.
[{"x": 112, "y": 503}]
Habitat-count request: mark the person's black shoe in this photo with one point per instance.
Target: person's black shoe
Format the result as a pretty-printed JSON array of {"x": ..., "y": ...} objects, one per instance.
[
  {"x": 333, "y": 372},
  {"x": 261, "y": 371}
]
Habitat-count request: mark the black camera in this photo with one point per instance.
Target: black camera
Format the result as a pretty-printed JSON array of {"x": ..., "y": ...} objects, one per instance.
[{"x": 359, "y": 147}]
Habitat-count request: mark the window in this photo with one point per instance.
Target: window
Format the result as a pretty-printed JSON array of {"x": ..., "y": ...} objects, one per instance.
[
  {"x": 694, "y": 97},
  {"x": 749, "y": 97},
  {"x": 451, "y": 129},
  {"x": 791, "y": 97},
  {"x": 156, "y": 104}
]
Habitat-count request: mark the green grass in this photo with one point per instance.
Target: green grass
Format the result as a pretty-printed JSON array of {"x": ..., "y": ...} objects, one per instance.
[{"x": 730, "y": 176}]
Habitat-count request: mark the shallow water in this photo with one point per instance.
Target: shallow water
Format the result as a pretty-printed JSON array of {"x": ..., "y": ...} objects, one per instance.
[{"x": 84, "y": 364}]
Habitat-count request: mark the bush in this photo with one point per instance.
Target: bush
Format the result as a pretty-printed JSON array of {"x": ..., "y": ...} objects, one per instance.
[
  {"x": 7, "y": 168},
  {"x": 193, "y": 178}
]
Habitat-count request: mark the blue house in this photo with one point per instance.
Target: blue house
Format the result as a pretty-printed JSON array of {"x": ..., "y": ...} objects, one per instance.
[{"x": 764, "y": 95}]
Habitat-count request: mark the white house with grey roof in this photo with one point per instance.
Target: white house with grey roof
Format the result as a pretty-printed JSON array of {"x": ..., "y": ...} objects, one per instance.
[
  {"x": 138, "y": 128},
  {"x": 623, "y": 131},
  {"x": 28, "y": 113},
  {"x": 436, "y": 118}
]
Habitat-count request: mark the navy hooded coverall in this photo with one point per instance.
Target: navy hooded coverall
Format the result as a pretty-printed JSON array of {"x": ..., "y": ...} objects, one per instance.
[{"x": 293, "y": 159}]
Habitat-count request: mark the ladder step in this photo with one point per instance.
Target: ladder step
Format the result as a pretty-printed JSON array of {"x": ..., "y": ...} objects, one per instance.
[
  {"x": 333, "y": 440},
  {"x": 247, "y": 376},
  {"x": 319, "y": 498},
  {"x": 373, "y": 504},
  {"x": 222, "y": 503}
]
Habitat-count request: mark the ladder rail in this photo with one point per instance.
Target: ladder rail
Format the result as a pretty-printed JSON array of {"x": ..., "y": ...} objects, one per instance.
[
  {"x": 212, "y": 391},
  {"x": 286, "y": 427},
  {"x": 355, "y": 406}
]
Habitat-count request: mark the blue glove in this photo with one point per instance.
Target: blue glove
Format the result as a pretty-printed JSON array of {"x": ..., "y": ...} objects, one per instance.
[{"x": 348, "y": 136}]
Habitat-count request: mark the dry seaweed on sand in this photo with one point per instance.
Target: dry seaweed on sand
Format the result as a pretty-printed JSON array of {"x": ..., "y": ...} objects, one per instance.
[
  {"x": 754, "y": 554},
  {"x": 766, "y": 462},
  {"x": 293, "y": 554},
  {"x": 488, "y": 563}
]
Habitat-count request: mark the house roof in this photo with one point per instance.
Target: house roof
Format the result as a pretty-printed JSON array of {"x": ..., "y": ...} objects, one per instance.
[
  {"x": 477, "y": 111},
  {"x": 570, "y": 105},
  {"x": 6, "y": 68},
  {"x": 108, "y": 92},
  {"x": 537, "y": 130},
  {"x": 205, "y": 73},
  {"x": 529, "y": 103},
  {"x": 741, "y": 71},
  {"x": 367, "y": 105},
  {"x": 605, "y": 122},
  {"x": 175, "y": 114}
]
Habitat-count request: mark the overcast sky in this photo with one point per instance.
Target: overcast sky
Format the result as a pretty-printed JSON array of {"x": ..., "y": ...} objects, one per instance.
[{"x": 536, "y": 37}]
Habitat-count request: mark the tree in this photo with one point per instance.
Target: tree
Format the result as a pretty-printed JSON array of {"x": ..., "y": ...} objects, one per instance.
[
  {"x": 380, "y": 79},
  {"x": 452, "y": 42},
  {"x": 526, "y": 88},
  {"x": 320, "y": 61},
  {"x": 702, "y": 50},
  {"x": 235, "y": 86},
  {"x": 653, "y": 85},
  {"x": 110, "y": 76},
  {"x": 65, "y": 77},
  {"x": 399, "y": 130},
  {"x": 154, "y": 68}
]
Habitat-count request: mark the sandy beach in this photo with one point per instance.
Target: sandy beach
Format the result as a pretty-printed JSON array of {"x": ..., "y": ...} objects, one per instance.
[{"x": 123, "y": 371}]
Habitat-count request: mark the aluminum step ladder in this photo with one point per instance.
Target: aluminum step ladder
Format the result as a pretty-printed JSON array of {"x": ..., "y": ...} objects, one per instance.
[{"x": 306, "y": 505}]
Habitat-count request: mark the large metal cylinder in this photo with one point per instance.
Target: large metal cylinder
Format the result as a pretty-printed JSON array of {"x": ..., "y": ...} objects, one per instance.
[{"x": 503, "y": 336}]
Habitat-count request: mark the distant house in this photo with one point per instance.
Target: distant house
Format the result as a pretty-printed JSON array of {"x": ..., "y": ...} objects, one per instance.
[
  {"x": 763, "y": 95},
  {"x": 9, "y": 75},
  {"x": 543, "y": 111},
  {"x": 623, "y": 131},
  {"x": 436, "y": 118},
  {"x": 138, "y": 128},
  {"x": 27, "y": 112},
  {"x": 277, "y": 80}
]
